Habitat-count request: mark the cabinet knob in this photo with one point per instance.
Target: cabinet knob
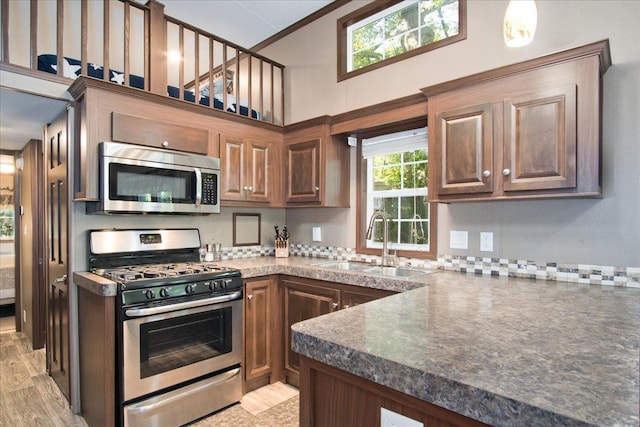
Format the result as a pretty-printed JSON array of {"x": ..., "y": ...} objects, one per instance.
[
  {"x": 165, "y": 144},
  {"x": 486, "y": 174},
  {"x": 335, "y": 305},
  {"x": 317, "y": 189},
  {"x": 250, "y": 188},
  {"x": 249, "y": 297},
  {"x": 506, "y": 172},
  {"x": 346, "y": 306}
]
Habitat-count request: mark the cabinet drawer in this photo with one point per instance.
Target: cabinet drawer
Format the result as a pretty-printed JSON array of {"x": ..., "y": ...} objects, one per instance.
[{"x": 153, "y": 133}]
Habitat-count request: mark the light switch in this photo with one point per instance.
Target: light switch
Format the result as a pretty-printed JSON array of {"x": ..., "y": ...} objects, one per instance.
[
  {"x": 316, "y": 234},
  {"x": 458, "y": 239}
]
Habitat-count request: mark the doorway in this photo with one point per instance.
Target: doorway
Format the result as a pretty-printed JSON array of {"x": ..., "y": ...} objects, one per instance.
[{"x": 7, "y": 242}]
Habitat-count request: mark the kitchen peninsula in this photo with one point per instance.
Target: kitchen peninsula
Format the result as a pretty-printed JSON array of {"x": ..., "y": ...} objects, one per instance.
[{"x": 496, "y": 350}]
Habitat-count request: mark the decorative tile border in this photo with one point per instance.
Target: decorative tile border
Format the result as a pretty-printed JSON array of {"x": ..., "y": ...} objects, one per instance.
[{"x": 573, "y": 273}]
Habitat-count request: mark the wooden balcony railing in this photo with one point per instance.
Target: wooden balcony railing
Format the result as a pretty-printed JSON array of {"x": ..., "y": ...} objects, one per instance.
[{"x": 139, "y": 46}]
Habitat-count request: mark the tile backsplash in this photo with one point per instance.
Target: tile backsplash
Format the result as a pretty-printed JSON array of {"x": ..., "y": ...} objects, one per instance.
[{"x": 486, "y": 266}]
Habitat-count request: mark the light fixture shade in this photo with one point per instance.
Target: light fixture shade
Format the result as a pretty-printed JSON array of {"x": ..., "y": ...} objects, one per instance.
[{"x": 520, "y": 22}]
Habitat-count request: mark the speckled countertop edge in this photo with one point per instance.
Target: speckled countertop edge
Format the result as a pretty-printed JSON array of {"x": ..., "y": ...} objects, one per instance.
[{"x": 510, "y": 352}]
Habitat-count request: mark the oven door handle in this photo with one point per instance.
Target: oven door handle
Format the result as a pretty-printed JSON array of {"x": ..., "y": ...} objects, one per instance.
[
  {"x": 140, "y": 312},
  {"x": 198, "y": 186}
]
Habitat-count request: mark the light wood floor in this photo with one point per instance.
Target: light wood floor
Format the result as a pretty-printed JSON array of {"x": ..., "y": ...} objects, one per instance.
[{"x": 29, "y": 397}]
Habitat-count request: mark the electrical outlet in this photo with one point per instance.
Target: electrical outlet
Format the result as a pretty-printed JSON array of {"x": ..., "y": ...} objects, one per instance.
[
  {"x": 316, "y": 234},
  {"x": 392, "y": 419},
  {"x": 486, "y": 241},
  {"x": 24, "y": 316}
]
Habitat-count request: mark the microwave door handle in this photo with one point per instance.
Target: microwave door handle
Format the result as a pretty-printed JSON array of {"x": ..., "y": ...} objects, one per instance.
[{"x": 198, "y": 186}]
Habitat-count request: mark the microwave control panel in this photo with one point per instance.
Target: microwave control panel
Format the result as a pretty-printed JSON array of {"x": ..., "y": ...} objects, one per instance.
[{"x": 209, "y": 189}]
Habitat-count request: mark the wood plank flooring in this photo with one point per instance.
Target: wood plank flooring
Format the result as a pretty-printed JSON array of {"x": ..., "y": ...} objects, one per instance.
[{"x": 29, "y": 397}]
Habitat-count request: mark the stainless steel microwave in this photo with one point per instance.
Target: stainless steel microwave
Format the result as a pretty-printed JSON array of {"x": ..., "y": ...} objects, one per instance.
[{"x": 141, "y": 179}]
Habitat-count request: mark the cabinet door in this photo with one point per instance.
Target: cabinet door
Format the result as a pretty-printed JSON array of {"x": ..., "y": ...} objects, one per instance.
[
  {"x": 259, "y": 323},
  {"x": 258, "y": 170},
  {"x": 540, "y": 140},
  {"x": 303, "y": 171},
  {"x": 352, "y": 297},
  {"x": 465, "y": 139},
  {"x": 301, "y": 302},
  {"x": 232, "y": 168}
]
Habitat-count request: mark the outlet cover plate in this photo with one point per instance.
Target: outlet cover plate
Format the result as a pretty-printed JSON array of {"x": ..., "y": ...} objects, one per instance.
[
  {"x": 392, "y": 419},
  {"x": 486, "y": 241}
]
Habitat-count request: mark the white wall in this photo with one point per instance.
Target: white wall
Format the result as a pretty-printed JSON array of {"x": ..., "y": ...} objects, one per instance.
[{"x": 595, "y": 231}]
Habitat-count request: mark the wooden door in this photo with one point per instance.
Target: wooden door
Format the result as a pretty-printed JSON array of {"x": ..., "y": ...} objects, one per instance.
[
  {"x": 465, "y": 143},
  {"x": 303, "y": 171},
  {"x": 259, "y": 322},
  {"x": 540, "y": 147},
  {"x": 258, "y": 171},
  {"x": 232, "y": 168},
  {"x": 57, "y": 193},
  {"x": 301, "y": 302},
  {"x": 31, "y": 313}
]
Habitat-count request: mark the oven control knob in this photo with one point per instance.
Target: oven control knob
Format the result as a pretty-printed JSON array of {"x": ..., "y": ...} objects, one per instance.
[
  {"x": 149, "y": 294},
  {"x": 223, "y": 284},
  {"x": 164, "y": 292},
  {"x": 189, "y": 289},
  {"x": 212, "y": 285}
]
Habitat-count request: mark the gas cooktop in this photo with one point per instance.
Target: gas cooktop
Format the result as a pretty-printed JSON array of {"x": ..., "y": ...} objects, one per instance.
[{"x": 134, "y": 273}]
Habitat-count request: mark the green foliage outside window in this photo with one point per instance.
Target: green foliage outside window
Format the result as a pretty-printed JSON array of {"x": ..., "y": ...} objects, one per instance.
[
  {"x": 400, "y": 185},
  {"x": 420, "y": 23},
  {"x": 7, "y": 223}
]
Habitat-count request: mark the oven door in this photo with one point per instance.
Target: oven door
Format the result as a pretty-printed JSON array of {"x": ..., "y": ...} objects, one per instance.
[{"x": 164, "y": 350}]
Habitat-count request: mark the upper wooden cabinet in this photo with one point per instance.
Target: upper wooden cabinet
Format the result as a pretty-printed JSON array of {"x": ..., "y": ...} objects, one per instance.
[
  {"x": 524, "y": 131},
  {"x": 250, "y": 170},
  {"x": 316, "y": 167}
]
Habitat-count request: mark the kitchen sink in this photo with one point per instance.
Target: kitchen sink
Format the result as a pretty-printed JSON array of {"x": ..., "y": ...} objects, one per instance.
[
  {"x": 401, "y": 272},
  {"x": 345, "y": 265},
  {"x": 397, "y": 271}
]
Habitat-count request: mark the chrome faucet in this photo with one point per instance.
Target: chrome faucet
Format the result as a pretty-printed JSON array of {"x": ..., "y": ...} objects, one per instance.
[{"x": 386, "y": 259}]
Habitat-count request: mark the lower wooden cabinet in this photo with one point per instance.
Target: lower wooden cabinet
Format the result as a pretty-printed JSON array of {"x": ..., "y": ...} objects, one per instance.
[
  {"x": 303, "y": 299},
  {"x": 307, "y": 298},
  {"x": 271, "y": 305},
  {"x": 262, "y": 342},
  {"x": 331, "y": 397}
]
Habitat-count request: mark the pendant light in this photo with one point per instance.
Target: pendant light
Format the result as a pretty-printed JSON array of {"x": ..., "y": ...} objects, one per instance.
[{"x": 520, "y": 21}]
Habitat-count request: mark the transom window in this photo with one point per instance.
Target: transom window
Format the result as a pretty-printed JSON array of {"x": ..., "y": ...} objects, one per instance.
[
  {"x": 396, "y": 168},
  {"x": 385, "y": 32}
]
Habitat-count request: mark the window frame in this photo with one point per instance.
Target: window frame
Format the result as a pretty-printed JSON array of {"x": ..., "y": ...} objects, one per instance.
[
  {"x": 378, "y": 6},
  {"x": 361, "y": 199}
]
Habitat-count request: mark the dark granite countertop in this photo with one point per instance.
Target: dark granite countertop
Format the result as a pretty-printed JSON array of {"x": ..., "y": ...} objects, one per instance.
[
  {"x": 504, "y": 351},
  {"x": 507, "y": 352}
]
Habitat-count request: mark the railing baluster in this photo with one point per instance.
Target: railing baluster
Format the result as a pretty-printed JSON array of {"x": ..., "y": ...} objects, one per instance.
[
  {"x": 59, "y": 36},
  {"x": 83, "y": 37},
  {"x": 272, "y": 98},
  {"x": 127, "y": 42},
  {"x": 262, "y": 87},
  {"x": 33, "y": 30},
  {"x": 181, "y": 65},
  {"x": 196, "y": 66},
  {"x": 105, "y": 41},
  {"x": 211, "y": 91},
  {"x": 236, "y": 82}
]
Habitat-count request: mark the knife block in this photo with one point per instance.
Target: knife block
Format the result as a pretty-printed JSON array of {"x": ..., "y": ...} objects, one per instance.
[{"x": 282, "y": 249}]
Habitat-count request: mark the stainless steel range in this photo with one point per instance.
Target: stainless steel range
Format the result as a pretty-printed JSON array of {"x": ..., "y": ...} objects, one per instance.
[{"x": 179, "y": 325}]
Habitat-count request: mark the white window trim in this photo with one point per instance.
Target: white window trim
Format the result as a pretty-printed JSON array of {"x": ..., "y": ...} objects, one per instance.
[{"x": 395, "y": 143}]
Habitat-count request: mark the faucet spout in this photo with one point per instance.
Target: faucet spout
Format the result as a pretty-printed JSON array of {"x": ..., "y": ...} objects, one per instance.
[{"x": 385, "y": 233}]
